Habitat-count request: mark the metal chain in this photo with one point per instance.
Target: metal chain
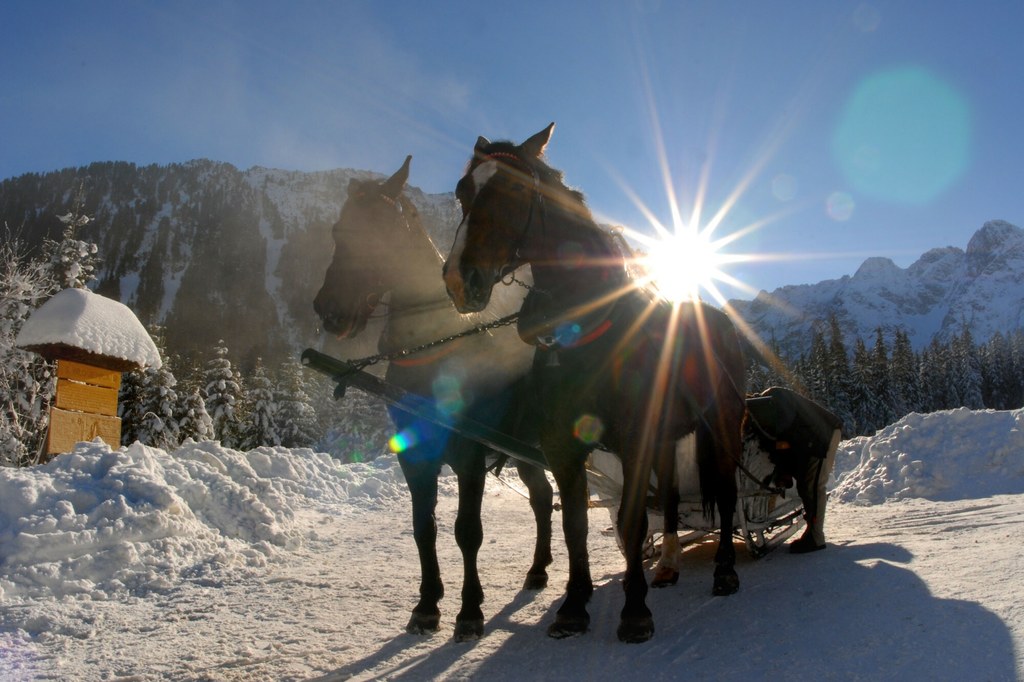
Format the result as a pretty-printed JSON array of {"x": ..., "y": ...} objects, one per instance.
[
  {"x": 512, "y": 279},
  {"x": 374, "y": 359}
]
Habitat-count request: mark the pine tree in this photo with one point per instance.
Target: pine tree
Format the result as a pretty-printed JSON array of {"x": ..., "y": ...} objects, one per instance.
[
  {"x": 73, "y": 261},
  {"x": 223, "y": 393},
  {"x": 966, "y": 370},
  {"x": 260, "y": 425},
  {"x": 193, "y": 420},
  {"x": 938, "y": 389},
  {"x": 296, "y": 418},
  {"x": 881, "y": 380},
  {"x": 864, "y": 401},
  {"x": 905, "y": 382},
  {"x": 131, "y": 406},
  {"x": 160, "y": 427},
  {"x": 813, "y": 369},
  {"x": 26, "y": 379},
  {"x": 150, "y": 402},
  {"x": 996, "y": 368},
  {"x": 1015, "y": 376},
  {"x": 837, "y": 376}
]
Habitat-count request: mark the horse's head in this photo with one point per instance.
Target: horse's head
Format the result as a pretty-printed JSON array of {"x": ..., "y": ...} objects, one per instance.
[
  {"x": 501, "y": 195},
  {"x": 372, "y": 221}
]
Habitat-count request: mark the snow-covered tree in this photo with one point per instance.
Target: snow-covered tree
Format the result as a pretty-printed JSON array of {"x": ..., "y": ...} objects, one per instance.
[
  {"x": 813, "y": 369},
  {"x": 26, "y": 379},
  {"x": 193, "y": 420},
  {"x": 837, "y": 375},
  {"x": 159, "y": 423},
  {"x": 72, "y": 260},
  {"x": 880, "y": 376},
  {"x": 903, "y": 376},
  {"x": 865, "y": 402},
  {"x": 131, "y": 406},
  {"x": 296, "y": 419},
  {"x": 147, "y": 404},
  {"x": 223, "y": 393},
  {"x": 966, "y": 369},
  {"x": 355, "y": 428},
  {"x": 260, "y": 424},
  {"x": 938, "y": 391}
]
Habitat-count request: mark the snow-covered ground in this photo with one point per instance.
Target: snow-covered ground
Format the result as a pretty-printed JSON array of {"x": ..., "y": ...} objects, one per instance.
[{"x": 211, "y": 564}]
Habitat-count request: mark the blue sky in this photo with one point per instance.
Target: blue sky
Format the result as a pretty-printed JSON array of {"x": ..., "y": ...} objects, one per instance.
[{"x": 841, "y": 129}]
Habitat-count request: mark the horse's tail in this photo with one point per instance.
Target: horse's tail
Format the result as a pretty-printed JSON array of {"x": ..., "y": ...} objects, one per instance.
[
  {"x": 707, "y": 469},
  {"x": 718, "y": 455}
]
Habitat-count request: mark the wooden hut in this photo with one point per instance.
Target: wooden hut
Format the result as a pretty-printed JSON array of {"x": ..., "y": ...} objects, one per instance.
[{"x": 93, "y": 340}]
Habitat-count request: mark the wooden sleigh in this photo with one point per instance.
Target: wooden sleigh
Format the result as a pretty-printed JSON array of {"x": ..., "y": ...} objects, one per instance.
[{"x": 765, "y": 515}]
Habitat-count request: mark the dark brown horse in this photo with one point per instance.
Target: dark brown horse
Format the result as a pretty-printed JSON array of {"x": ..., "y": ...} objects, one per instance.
[
  {"x": 616, "y": 366},
  {"x": 383, "y": 257}
]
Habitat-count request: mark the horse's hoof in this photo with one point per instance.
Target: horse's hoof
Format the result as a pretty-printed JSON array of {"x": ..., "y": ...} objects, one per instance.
[
  {"x": 664, "y": 577},
  {"x": 468, "y": 630},
  {"x": 568, "y": 626},
  {"x": 726, "y": 582},
  {"x": 535, "y": 581},
  {"x": 636, "y": 630},
  {"x": 423, "y": 623}
]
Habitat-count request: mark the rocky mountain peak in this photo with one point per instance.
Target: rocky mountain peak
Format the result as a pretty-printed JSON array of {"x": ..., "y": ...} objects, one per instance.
[{"x": 993, "y": 241}]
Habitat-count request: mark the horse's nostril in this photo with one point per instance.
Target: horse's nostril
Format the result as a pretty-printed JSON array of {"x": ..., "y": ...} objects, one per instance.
[{"x": 472, "y": 278}]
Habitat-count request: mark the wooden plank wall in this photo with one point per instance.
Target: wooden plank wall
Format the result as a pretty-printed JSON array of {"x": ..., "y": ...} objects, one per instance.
[{"x": 85, "y": 407}]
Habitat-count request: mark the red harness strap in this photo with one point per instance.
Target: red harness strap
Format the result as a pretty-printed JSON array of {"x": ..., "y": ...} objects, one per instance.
[
  {"x": 591, "y": 336},
  {"x": 594, "y": 335}
]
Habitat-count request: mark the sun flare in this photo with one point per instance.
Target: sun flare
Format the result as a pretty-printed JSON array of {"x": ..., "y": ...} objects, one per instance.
[{"x": 683, "y": 264}]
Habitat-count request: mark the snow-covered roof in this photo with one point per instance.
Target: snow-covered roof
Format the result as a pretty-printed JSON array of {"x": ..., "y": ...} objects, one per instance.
[{"x": 104, "y": 329}]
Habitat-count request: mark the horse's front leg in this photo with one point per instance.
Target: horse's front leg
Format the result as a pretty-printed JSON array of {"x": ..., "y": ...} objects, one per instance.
[
  {"x": 636, "y": 623},
  {"x": 541, "y": 502},
  {"x": 469, "y": 535},
  {"x": 567, "y": 465},
  {"x": 421, "y": 477}
]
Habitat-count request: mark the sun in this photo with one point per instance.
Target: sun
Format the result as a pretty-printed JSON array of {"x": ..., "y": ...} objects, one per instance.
[{"x": 681, "y": 265}]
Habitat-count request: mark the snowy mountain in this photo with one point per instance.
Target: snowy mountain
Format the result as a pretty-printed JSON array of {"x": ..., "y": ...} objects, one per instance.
[
  {"x": 206, "y": 250},
  {"x": 212, "y": 252},
  {"x": 946, "y": 289}
]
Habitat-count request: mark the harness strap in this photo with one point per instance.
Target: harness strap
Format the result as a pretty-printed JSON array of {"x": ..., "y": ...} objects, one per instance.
[{"x": 552, "y": 342}]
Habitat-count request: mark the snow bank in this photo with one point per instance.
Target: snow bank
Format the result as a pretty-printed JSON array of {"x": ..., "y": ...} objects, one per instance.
[
  {"x": 98, "y": 521},
  {"x": 950, "y": 455}
]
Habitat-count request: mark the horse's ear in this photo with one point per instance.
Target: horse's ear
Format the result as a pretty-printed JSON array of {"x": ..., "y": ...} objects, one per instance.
[
  {"x": 482, "y": 143},
  {"x": 392, "y": 187},
  {"x": 534, "y": 147}
]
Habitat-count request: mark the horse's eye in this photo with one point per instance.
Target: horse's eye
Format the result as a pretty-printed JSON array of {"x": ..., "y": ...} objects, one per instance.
[{"x": 517, "y": 187}]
